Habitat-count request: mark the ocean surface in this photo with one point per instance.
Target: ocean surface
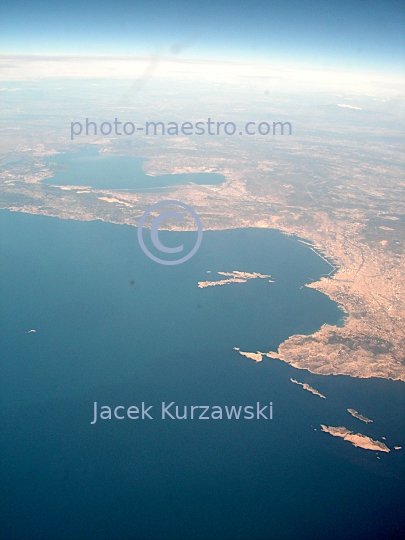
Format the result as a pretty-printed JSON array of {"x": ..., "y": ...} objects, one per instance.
[
  {"x": 113, "y": 327},
  {"x": 89, "y": 168}
]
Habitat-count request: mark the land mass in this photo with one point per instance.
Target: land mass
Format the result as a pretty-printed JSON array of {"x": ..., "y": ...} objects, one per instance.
[
  {"x": 235, "y": 277},
  {"x": 257, "y": 356},
  {"x": 359, "y": 416},
  {"x": 306, "y": 386},
  {"x": 357, "y": 439},
  {"x": 350, "y": 211}
]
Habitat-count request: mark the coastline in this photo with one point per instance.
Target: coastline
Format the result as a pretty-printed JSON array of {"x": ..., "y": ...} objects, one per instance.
[{"x": 369, "y": 342}]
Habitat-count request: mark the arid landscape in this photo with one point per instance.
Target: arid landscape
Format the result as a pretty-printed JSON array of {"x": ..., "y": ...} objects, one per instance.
[{"x": 352, "y": 215}]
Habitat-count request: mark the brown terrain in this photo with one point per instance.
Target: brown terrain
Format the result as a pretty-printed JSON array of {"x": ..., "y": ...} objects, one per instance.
[{"x": 346, "y": 202}]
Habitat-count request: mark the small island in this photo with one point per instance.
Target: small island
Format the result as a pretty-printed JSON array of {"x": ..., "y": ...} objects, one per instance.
[
  {"x": 306, "y": 386},
  {"x": 359, "y": 416},
  {"x": 357, "y": 439},
  {"x": 257, "y": 356},
  {"x": 235, "y": 276}
]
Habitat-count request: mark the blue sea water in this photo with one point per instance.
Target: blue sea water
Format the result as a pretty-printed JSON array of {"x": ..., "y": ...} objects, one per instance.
[
  {"x": 89, "y": 168},
  {"x": 114, "y": 327}
]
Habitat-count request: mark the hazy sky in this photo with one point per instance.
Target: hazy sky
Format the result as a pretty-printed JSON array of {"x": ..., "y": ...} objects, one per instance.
[{"x": 367, "y": 34}]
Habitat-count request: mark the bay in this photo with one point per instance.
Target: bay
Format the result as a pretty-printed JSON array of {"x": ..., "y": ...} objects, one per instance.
[
  {"x": 114, "y": 327},
  {"x": 89, "y": 168}
]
